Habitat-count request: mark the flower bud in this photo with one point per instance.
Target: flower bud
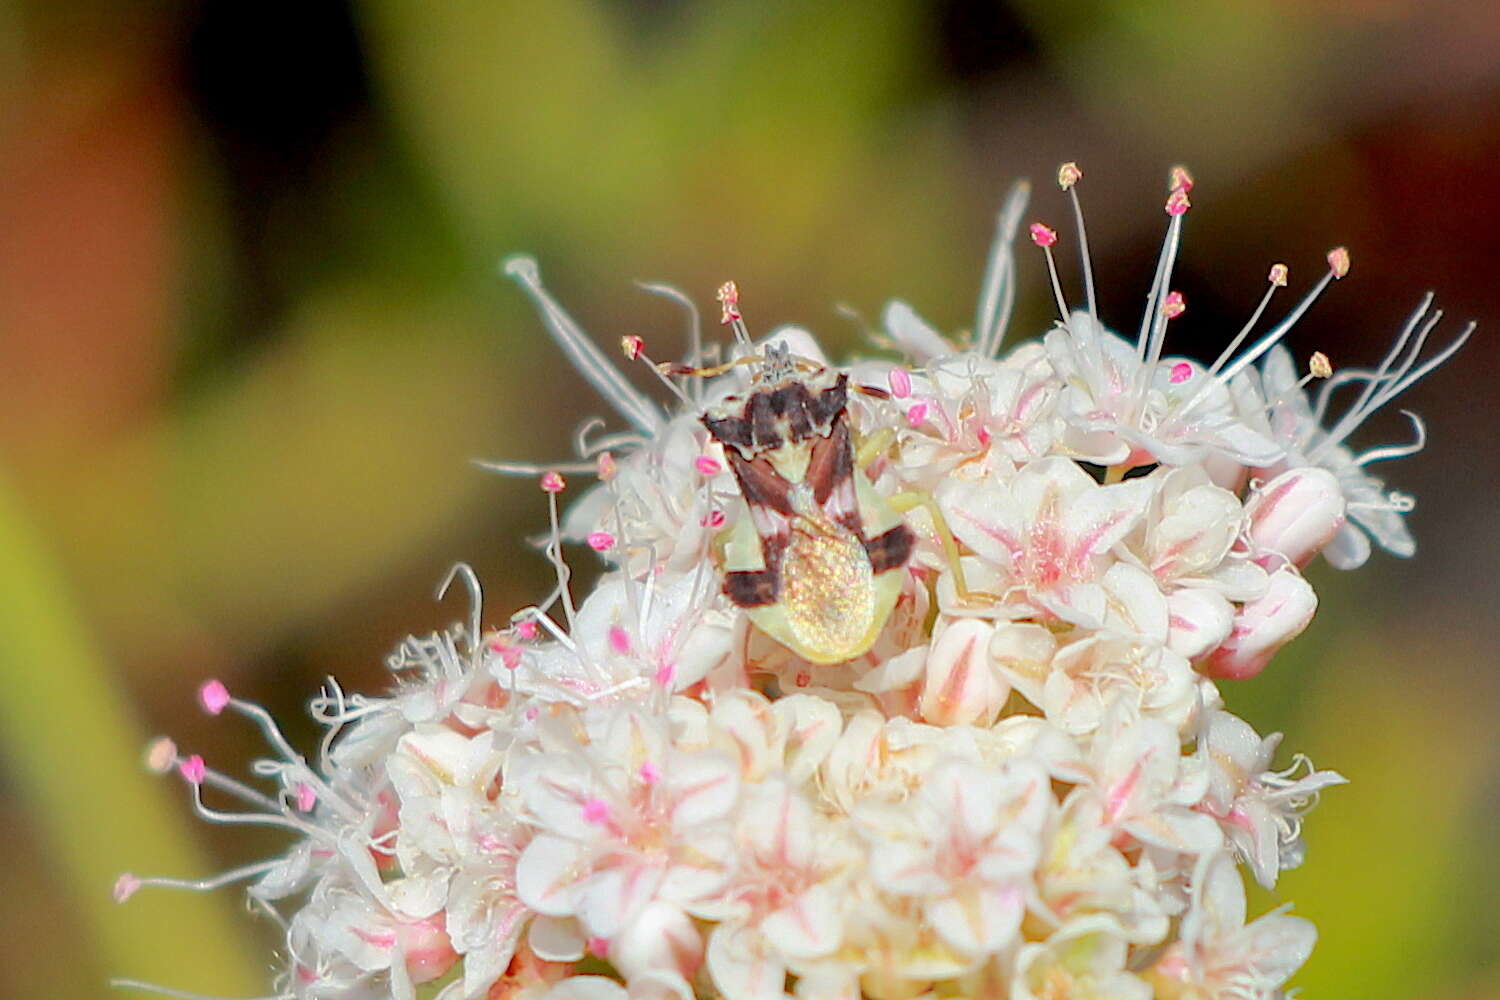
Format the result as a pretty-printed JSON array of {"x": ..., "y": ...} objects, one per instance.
[
  {"x": 961, "y": 687},
  {"x": 660, "y": 939},
  {"x": 429, "y": 953},
  {"x": 1263, "y": 626},
  {"x": 1296, "y": 514},
  {"x": 1198, "y": 620}
]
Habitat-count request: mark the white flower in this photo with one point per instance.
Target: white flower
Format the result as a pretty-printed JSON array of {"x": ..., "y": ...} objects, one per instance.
[
  {"x": 1259, "y": 810},
  {"x": 785, "y": 902},
  {"x": 967, "y": 408},
  {"x": 1047, "y": 533},
  {"x": 1142, "y": 786},
  {"x": 1124, "y": 409},
  {"x": 623, "y": 820},
  {"x": 1025, "y": 786},
  {"x": 1297, "y": 423},
  {"x": 1083, "y": 961},
  {"x": 1219, "y": 955},
  {"x": 965, "y": 847}
]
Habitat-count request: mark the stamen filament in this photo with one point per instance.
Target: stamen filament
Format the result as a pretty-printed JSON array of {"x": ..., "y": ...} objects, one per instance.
[
  {"x": 212, "y": 882},
  {"x": 1269, "y": 340},
  {"x": 1083, "y": 251},
  {"x": 997, "y": 294},
  {"x": 582, "y": 351}
]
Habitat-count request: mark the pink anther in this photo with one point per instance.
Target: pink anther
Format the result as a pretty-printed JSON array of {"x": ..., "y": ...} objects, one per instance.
[
  {"x": 1278, "y": 275},
  {"x": 213, "y": 696},
  {"x": 193, "y": 769},
  {"x": 1181, "y": 372},
  {"x": 607, "y": 468},
  {"x": 595, "y": 811},
  {"x": 707, "y": 466},
  {"x": 619, "y": 640},
  {"x": 1174, "y": 305},
  {"x": 1042, "y": 236},
  {"x": 552, "y": 482},
  {"x": 900, "y": 382},
  {"x": 665, "y": 674},
  {"x": 650, "y": 773},
  {"x": 307, "y": 796},
  {"x": 631, "y": 346},
  {"x": 916, "y": 415},
  {"x": 1180, "y": 180},
  {"x": 1068, "y": 174},
  {"x": 1177, "y": 202},
  {"x": 528, "y": 629},
  {"x": 601, "y": 541}
]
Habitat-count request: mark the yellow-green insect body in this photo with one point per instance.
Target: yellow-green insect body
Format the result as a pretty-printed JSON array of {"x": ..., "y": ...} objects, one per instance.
[{"x": 818, "y": 562}]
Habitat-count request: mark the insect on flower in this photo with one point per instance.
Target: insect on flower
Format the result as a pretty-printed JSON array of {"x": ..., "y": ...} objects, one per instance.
[{"x": 817, "y": 564}]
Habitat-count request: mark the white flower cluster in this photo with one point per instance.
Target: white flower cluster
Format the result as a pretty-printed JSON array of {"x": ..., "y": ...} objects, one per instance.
[{"x": 1023, "y": 785}]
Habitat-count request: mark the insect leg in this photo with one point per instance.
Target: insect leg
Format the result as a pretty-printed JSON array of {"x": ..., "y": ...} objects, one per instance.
[
  {"x": 903, "y": 502},
  {"x": 873, "y": 447},
  {"x": 668, "y": 368}
]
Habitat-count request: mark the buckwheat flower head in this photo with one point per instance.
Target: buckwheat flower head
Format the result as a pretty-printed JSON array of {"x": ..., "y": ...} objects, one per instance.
[{"x": 900, "y": 678}]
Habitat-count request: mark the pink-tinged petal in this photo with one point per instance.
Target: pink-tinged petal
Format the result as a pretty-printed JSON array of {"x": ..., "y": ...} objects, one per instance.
[
  {"x": 1196, "y": 528},
  {"x": 1263, "y": 626},
  {"x": 1276, "y": 946},
  {"x": 661, "y": 938},
  {"x": 548, "y": 874},
  {"x": 1218, "y": 908},
  {"x": 1022, "y": 652},
  {"x": 777, "y": 826},
  {"x": 702, "y": 787},
  {"x": 1047, "y": 485},
  {"x": 1082, "y": 604},
  {"x": 810, "y": 926},
  {"x": 809, "y": 727},
  {"x": 1177, "y": 829},
  {"x": 700, "y": 866},
  {"x": 965, "y": 798},
  {"x": 556, "y": 793},
  {"x": 1136, "y": 603},
  {"x": 1098, "y": 519},
  {"x": 960, "y": 686},
  {"x": 742, "y": 967},
  {"x": 1197, "y": 621},
  {"x": 1296, "y": 514},
  {"x": 978, "y": 920},
  {"x": 983, "y": 517},
  {"x": 633, "y": 738},
  {"x": 904, "y": 868},
  {"x": 616, "y": 895},
  {"x": 1252, "y": 827}
]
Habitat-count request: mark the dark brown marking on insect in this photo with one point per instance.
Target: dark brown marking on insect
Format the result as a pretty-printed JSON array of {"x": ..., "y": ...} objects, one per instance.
[
  {"x": 730, "y": 430},
  {"x": 760, "y": 411},
  {"x": 760, "y": 484},
  {"x": 890, "y": 550},
  {"x": 752, "y": 588},
  {"x": 831, "y": 402},
  {"x": 830, "y": 463}
]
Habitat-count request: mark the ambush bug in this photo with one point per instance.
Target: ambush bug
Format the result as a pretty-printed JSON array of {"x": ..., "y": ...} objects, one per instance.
[{"x": 819, "y": 563}]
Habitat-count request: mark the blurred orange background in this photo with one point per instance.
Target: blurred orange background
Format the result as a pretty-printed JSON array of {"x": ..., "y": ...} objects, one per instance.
[{"x": 252, "y": 335}]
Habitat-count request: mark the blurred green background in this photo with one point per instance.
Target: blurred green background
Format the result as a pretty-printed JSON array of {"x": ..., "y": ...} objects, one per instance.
[{"x": 251, "y": 336}]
